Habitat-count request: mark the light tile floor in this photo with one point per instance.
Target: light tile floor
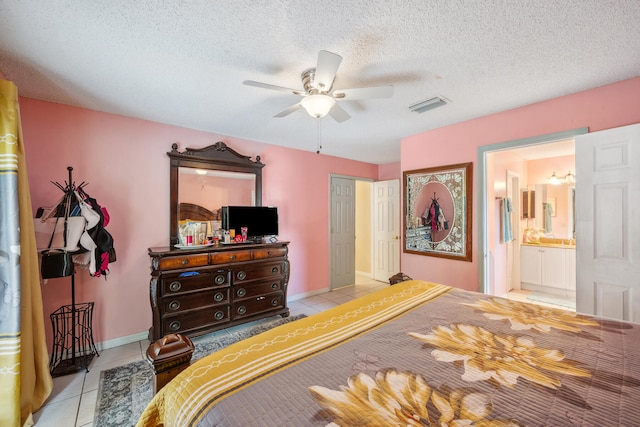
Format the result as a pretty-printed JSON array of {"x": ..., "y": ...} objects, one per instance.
[{"x": 73, "y": 400}]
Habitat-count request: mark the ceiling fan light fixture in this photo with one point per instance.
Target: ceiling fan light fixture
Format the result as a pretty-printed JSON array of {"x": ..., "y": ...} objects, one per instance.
[
  {"x": 318, "y": 105},
  {"x": 429, "y": 104}
]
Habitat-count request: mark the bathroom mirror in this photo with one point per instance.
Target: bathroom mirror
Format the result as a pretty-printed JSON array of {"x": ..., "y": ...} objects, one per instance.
[
  {"x": 550, "y": 208},
  {"x": 201, "y": 181},
  {"x": 562, "y": 200}
]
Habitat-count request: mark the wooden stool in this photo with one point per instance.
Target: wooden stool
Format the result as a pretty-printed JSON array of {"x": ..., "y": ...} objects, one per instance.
[{"x": 169, "y": 356}]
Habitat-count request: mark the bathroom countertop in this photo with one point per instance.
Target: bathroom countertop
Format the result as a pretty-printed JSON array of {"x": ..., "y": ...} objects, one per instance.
[{"x": 549, "y": 245}]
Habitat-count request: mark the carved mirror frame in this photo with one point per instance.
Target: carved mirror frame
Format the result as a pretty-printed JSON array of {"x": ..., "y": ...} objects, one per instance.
[{"x": 214, "y": 157}]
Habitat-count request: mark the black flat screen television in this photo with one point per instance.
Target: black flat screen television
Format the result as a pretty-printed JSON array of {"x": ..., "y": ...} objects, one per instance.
[{"x": 260, "y": 220}]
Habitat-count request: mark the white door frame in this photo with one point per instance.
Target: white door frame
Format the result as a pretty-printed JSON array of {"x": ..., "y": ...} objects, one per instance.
[
  {"x": 481, "y": 201},
  {"x": 513, "y": 251}
]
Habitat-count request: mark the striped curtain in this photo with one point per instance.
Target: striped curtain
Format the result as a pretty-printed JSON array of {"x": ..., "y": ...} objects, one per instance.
[{"x": 25, "y": 381}]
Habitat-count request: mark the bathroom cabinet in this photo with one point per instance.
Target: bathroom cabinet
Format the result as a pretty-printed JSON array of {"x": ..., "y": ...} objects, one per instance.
[{"x": 551, "y": 267}]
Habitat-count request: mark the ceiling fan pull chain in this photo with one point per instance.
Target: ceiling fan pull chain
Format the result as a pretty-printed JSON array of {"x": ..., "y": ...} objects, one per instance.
[{"x": 319, "y": 136}]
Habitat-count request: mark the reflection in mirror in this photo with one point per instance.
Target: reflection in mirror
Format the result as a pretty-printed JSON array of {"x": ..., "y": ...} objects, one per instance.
[
  {"x": 558, "y": 211},
  {"x": 213, "y": 189},
  {"x": 528, "y": 204},
  {"x": 555, "y": 205}
]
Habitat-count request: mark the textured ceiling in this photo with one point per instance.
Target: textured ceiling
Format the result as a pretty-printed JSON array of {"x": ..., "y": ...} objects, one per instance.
[{"x": 183, "y": 62}]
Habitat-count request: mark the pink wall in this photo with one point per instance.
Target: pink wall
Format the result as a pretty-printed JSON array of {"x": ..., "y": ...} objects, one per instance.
[
  {"x": 389, "y": 171},
  {"x": 124, "y": 161},
  {"x": 602, "y": 108}
]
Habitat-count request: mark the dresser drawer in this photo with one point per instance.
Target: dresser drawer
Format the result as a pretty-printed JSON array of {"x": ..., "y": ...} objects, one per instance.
[
  {"x": 184, "y": 261},
  {"x": 185, "y": 282},
  {"x": 230, "y": 256},
  {"x": 255, "y": 289},
  {"x": 266, "y": 271},
  {"x": 177, "y": 303},
  {"x": 249, "y": 307},
  {"x": 269, "y": 253},
  {"x": 198, "y": 319}
]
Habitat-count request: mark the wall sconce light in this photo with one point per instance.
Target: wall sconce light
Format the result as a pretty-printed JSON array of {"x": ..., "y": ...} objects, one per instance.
[
  {"x": 556, "y": 180},
  {"x": 570, "y": 178}
]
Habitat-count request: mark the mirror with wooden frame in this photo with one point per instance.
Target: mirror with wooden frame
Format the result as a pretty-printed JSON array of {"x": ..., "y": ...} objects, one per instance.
[{"x": 203, "y": 180}]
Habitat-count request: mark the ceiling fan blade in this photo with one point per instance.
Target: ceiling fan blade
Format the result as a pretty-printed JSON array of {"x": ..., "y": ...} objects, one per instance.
[
  {"x": 326, "y": 69},
  {"x": 364, "y": 93},
  {"x": 338, "y": 113},
  {"x": 289, "y": 110},
  {"x": 273, "y": 87}
]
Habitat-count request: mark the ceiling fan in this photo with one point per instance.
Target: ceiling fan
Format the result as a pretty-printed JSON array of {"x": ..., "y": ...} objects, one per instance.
[{"x": 318, "y": 96}]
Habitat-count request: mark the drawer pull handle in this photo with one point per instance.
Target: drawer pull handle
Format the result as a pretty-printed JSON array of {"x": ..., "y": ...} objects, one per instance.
[
  {"x": 175, "y": 326},
  {"x": 241, "y": 292},
  {"x": 219, "y": 279},
  {"x": 269, "y": 253},
  {"x": 242, "y": 275},
  {"x": 274, "y": 286},
  {"x": 219, "y": 315},
  {"x": 274, "y": 270},
  {"x": 175, "y": 286},
  {"x": 174, "y": 305},
  {"x": 275, "y": 302},
  {"x": 232, "y": 257},
  {"x": 242, "y": 309},
  {"x": 185, "y": 261},
  {"x": 260, "y": 298},
  {"x": 218, "y": 297}
]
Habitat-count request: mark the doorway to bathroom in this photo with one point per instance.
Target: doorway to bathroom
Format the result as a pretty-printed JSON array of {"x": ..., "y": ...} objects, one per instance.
[{"x": 520, "y": 171}]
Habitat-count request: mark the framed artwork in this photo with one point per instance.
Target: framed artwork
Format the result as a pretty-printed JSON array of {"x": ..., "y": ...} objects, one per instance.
[{"x": 438, "y": 204}]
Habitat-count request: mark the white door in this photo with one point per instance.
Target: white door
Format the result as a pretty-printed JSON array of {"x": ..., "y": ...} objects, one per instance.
[
  {"x": 386, "y": 233},
  {"x": 342, "y": 233},
  {"x": 607, "y": 223}
]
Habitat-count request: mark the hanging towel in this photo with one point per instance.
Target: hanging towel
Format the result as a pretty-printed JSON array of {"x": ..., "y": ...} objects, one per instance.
[
  {"x": 507, "y": 229},
  {"x": 548, "y": 211}
]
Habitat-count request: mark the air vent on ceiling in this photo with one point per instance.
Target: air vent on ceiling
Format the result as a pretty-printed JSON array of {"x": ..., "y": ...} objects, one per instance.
[{"x": 429, "y": 104}]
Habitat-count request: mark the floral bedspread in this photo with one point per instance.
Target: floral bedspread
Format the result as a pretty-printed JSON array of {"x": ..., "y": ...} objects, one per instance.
[{"x": 417, "y": 354}]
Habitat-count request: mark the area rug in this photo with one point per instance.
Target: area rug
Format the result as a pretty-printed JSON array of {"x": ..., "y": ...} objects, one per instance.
[
  {"x": 124, "y": 392},
  {"x": 550, "y": 299}
]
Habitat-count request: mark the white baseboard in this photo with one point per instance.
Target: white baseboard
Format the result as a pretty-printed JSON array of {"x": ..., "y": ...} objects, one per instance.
[
  {"x": 368, "y": 274},
  {"x": 116, "y": 342},
  {"x": 304, "y": 295}
]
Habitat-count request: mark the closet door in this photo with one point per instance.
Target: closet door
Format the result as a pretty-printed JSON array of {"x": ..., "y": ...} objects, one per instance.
[{"x": 343, "y": 232}]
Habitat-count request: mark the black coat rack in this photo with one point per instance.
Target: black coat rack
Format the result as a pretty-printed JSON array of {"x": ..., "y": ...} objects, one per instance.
[{"x": 73, "y": 345}]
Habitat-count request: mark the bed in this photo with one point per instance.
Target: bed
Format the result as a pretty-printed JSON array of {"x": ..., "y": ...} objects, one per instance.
[{"x": 416, "y": 353}]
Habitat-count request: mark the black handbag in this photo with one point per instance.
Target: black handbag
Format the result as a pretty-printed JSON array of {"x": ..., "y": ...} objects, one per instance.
[{"x": 57, "y": 262}]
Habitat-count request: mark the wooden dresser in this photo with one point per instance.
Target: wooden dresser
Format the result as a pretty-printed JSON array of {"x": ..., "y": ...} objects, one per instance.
[{"x": 196, "y": 291}]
